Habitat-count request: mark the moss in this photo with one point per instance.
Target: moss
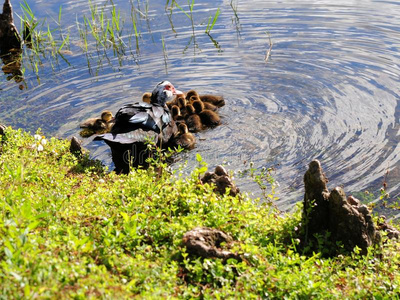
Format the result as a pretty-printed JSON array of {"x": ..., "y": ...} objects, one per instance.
[{"x": 70, "y": 229}]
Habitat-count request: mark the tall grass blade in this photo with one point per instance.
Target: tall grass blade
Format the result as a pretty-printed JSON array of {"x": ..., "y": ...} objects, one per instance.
[{"x": 178, "y": 6}]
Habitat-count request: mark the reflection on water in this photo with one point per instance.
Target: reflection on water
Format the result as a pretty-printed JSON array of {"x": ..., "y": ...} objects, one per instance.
[{"x": 330, "y": 89}]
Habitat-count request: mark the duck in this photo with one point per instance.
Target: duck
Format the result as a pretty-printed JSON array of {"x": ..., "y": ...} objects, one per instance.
[
  {"x": 217, "y": 101},
  {"x": 185, "y": 139},
  {"x": 208, "y": 117},
  {"x": 97, "y": 125},
  {"x": 193, "y": 120},
  {"x": 146, "y": 97},
  {"x": 137, "y": 123}
]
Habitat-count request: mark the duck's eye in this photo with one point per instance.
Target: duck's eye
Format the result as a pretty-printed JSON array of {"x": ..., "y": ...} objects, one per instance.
[{"x": 167, "y": 87}]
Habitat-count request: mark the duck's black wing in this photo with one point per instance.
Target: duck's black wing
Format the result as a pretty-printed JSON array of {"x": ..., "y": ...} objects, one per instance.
[{"x": 140, "y": 121}]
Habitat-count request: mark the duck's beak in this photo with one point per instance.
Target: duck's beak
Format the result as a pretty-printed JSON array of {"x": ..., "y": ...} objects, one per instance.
[{"x": 177, "y": 92}]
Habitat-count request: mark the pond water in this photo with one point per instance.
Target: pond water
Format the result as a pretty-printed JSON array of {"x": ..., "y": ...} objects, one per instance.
[{"x": 328, "y": 90}]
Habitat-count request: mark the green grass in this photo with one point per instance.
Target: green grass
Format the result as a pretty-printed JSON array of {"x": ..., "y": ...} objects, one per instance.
[{"x": 70, "y": 229}]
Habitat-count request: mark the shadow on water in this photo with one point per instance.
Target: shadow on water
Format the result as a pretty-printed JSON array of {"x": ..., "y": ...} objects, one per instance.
[{"x": 330, "y": 88}]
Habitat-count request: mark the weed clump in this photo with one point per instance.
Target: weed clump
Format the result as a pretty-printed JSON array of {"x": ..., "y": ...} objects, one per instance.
[{"x": 92, "y": 234}]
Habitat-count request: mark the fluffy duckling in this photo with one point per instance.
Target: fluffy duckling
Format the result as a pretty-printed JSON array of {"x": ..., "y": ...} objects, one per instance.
[
  {"x": 182, "y": 105},
  {"x": 185, "y": 139},
  {"x": 206, "y": 104},
  {"x": 193, "y": 120},
  {"x": 191, "y": 93},
  {"x": 97, "y": 125},
  {"x": 146, "y": 97},
  {"x": 217, "y": 101},
  {"x": 176, "y": 113},
  {"x": 175, "y": 101},
  {"x": 208, "y": 117}
]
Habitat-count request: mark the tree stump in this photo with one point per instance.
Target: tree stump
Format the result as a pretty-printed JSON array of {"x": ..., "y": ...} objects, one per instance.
[
  {"x": 9, "y": 36},
  {"x": 206, "y": 242},
  {"x": 324, "y": 211}
]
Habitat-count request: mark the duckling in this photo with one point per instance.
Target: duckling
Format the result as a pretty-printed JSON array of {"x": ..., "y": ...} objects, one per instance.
[
  {"x": 176, "y": 113},
  {"x": 182, "y": 105},
  {"x": 191, "y": 93},
  {"x": 175, "y": 101},
  {"x": 208, "y": 117},
  {"x": 95, "y": 125},
  {"x": 146, "y": 97},
  {"x": 193, "y": 120},
  {"x": 185, "y": 139},
  {"x": 193, "y": 98},
  {"x": 207, "y": 105},
  {"x": 217, "y": 101}
]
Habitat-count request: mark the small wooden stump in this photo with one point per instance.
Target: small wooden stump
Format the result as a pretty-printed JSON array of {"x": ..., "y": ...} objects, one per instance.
[
  {"x": 206, "y": 242},
  {"x": 75, "y": 147},
  {"x": 324, "y": 211},
  {"x": 2, "y": 129},
  {"x": 9, "y": 36}
]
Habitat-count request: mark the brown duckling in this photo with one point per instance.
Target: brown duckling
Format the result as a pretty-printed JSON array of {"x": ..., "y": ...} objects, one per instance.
[
  {"x": 176, "y": 113},
  {"x": 181, "y": 103},
  {"x": 185, "y": 139},
  {"x": 146, "y": 97},
  {"x": 193, "y": 120},
  {"x": 217, "y": 101},
  {"x": 175, "y": 101},
  {"x": 97, "y": 125},
  {"x": 191, "y": 93},
  {"x": 207, "y": 105},
  {"x": 208, "y": 117}
]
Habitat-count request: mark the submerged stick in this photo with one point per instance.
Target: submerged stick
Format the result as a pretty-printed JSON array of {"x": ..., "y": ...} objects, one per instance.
[{"x": 267, "y": 54}]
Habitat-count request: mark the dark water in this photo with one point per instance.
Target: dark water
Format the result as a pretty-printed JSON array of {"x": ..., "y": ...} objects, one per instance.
[{"x": 329, "y": 90}]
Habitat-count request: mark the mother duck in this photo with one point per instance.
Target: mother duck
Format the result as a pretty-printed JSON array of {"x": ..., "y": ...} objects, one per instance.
[{"x": 137, "y": 123}]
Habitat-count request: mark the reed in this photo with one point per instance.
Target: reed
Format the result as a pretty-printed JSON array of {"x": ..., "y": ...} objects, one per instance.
[
  {"x": 97, "y": 33},
  {"x": 214, "y": 20}
]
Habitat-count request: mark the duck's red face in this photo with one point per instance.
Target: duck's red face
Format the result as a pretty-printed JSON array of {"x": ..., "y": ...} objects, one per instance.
[
  {"x": 171, "y": 88},
  {"x": 163, "y": 92}
]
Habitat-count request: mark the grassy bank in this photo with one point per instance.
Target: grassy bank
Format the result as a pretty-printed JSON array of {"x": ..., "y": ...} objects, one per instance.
[{"x": 68, "y": 229}]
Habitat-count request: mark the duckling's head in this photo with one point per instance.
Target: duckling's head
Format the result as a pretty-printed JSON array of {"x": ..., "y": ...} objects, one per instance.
[
  {"x": 198, "y": 106},
  {"x": 163, "y": 92},
  {"x": 182, "y": 127},
  {"x": 106, "y": 116},
  {"x": 146, "y": 97},
  {"x": 181, "y": 101},
  {"x": 194, "y": 98},
  {"x": 175, "y": 111},
  {"x": 190, "y": 109},
  {"x": 191, "y": 93},
  {"x": 99, "y": 124}
]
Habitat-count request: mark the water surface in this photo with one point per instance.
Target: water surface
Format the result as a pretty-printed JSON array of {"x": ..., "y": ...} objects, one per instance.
[{"x": 329, "y": 90}]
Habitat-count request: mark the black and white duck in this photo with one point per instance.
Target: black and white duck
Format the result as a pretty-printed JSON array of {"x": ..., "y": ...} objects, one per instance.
[{"x": 137, "y": 123}]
